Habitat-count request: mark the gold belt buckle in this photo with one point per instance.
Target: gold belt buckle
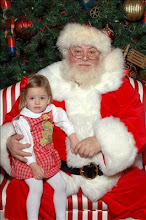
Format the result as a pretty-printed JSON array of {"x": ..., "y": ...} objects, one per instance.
[{"x": 92, "y": 171}]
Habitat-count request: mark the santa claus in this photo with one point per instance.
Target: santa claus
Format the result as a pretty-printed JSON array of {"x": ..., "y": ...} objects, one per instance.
[{"x": 107, "y": 116}]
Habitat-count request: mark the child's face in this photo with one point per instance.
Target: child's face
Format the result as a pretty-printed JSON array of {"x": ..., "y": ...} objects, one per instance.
[{"x": 37, "y": 99}]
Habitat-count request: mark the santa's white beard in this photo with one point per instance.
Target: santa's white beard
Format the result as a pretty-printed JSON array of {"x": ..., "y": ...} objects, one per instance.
[{"x": 84, "y": 77}]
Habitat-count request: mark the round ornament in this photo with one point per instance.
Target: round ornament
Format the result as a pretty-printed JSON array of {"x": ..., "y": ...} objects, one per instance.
[
  {"x": 109, "y": 32},
  {"x": 22, "y": 28},
  {"x": 134, "y": 9}
]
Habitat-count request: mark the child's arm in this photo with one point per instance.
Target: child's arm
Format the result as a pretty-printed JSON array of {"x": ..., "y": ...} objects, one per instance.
[
  {"x": 37, "y": 171},
  {"x": 73, "y": 141},
  {"x": 61, "y": 120},
  {"x": 22, "y": 127}
]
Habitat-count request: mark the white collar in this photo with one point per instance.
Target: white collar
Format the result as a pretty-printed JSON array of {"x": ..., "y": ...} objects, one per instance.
[{"x": 26, "y": 112}]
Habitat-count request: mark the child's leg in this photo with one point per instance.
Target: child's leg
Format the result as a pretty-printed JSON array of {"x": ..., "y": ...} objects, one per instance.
[
  {"x": 34, "y": 198},
  {"x": 58, "y": 184}
]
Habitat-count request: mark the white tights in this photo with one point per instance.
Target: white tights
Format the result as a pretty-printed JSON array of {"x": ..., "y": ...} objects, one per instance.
[{"x": 35, "y": 192}]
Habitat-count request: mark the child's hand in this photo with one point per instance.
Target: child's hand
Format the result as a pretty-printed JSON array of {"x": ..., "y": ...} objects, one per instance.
[
  {"x": 73, "y": 142},
  {"x": 37, "y": 171}
]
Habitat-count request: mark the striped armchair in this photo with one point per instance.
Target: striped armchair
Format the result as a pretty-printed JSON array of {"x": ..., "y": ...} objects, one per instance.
[{"x": 79, "y": 207}]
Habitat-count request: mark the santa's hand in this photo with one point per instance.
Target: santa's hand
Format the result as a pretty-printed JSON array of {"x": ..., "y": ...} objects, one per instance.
[
  {"x": 15, "y": 147},
  {"x": 87, "y": 148}
]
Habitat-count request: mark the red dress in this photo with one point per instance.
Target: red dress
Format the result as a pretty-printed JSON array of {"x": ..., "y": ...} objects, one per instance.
[{"x": 46, "y": 156}]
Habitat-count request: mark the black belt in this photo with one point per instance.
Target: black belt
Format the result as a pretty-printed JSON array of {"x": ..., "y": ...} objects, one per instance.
[{"x": 89, "y": 171}]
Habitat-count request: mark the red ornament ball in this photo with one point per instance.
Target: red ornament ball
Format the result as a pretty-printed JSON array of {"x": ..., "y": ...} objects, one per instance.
[
  {"x": 109, "y": 32},
  {"x": 22, "y": 28},
  {"x": 130, "y": 69}
]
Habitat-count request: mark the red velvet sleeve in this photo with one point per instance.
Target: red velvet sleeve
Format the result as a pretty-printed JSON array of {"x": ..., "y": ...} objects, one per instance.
[{"x": 131, "y": 112}]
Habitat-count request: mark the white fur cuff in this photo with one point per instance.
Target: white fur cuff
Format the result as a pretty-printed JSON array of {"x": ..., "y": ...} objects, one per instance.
[
  {"x": 117, "y": 145},
  {"x": 6, "y": 131}
]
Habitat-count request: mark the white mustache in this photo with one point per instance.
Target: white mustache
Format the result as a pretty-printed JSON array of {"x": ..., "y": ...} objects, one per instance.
[{"x": 84, "y": 63}]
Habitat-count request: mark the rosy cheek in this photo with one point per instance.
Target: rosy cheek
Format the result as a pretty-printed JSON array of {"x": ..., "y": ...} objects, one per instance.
[{"x": 72, "y": 60}]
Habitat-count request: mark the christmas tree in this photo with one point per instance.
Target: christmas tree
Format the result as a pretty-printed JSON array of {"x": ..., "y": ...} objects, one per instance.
[{"x": 35, "y": 25}]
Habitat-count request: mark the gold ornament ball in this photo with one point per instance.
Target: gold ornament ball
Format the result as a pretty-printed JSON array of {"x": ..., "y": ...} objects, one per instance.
[{"x": 134, "y": 9}]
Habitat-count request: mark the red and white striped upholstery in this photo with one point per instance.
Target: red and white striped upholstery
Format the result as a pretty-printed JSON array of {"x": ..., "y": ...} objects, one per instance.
[
  {"x": 81, "y": 208},
  {"x": 8, "y": 97},
  {"x": 78, "y": 206}
]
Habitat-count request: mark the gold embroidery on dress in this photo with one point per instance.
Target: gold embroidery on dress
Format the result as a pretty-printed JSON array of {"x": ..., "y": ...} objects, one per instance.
[{"x": 48, "y": 131}]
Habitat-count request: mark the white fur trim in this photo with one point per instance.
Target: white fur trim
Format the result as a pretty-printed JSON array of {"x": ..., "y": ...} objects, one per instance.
[
  {"x": 112, "y": 68},
  {"x": 138, "y": 162},
  {"x": 117, "y": 144},
  {"x": 93, "y": 189},
  {"x": 79, "y": 34},
  {"x": 6, "y": 131},
  {"x": 59, "y": 86},
  {"x": 72, "y": 183}
]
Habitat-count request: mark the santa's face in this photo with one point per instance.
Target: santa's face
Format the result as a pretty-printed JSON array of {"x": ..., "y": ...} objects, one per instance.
[
  {"x": 83, "y": 57},
  {"x": 81, "y": 65}
]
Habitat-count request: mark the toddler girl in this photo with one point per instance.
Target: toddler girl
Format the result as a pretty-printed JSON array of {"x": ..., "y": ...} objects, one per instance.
[{"x": 35, "y": 122}]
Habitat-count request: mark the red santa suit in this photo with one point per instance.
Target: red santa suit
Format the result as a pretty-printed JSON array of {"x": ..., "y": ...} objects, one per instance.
[{"x": 111, "y": 111}]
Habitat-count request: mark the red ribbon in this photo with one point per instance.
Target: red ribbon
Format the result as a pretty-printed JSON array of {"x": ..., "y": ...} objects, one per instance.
[{"x": 23, "y": 83}]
